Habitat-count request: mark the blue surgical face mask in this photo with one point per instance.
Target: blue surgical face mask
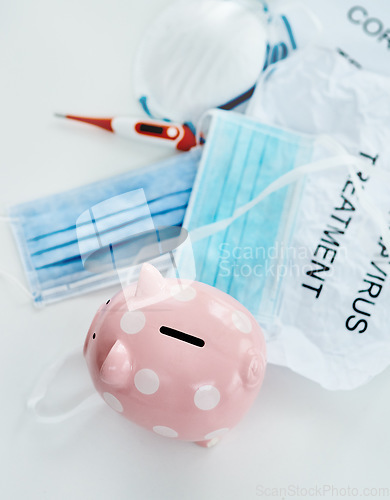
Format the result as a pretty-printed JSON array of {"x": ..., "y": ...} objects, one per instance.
[
  {"x": 310, "y": 263},
  {"x": 66, "y": 240},
  {"x": 249, "y": 241},
  {"x": 213, "y": 56}
]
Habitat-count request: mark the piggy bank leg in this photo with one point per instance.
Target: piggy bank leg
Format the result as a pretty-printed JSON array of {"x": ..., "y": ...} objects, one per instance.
[{"x": 208, "y": 443}]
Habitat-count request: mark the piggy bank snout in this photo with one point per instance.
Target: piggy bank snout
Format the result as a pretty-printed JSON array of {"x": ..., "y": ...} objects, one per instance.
[{"x": 116, "y": 367}]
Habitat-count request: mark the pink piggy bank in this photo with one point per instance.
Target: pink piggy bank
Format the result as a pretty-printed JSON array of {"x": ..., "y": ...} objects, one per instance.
[{"x": 180, "y": 358}]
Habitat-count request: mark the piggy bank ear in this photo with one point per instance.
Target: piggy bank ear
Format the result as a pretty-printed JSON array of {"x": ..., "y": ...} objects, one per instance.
[
  {"x": 150, "y": 281},
  {"x": 253, "y": 368},
  {"x": 116, "y": 367}
]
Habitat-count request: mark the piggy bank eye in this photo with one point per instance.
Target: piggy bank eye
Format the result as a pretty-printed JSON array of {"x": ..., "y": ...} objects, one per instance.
[
  {"x": 94, "y": 335},
  {"x": 108, "y": 301},
  {"x": 184, "y": 337}
]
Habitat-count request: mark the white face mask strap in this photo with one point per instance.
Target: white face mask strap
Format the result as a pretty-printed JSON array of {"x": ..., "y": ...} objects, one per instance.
[
  {"x": 42, "y": 386},
  {"x": 6, "y": 274},
  {"x": 281, "y": 182},
  {"x": 5, "y": 218},
  {"x": 16, "y": 282}
]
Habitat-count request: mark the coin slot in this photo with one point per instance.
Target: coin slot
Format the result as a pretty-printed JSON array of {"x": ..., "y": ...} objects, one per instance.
[{"x": 184, "y": 337}]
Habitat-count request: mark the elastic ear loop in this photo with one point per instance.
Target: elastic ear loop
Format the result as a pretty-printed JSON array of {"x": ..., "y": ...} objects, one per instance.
[
  {"x": 286, "y": 179},
  {"x": 280, "y": 9},
  {"x": 200, "y": 139},
  {"x": 43, "y": 383},
  {"x": 9, "y": 276},
  {"x": 40, "y": 389}
]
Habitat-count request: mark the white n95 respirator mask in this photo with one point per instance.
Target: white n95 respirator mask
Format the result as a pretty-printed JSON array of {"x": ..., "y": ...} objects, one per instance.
[{"x": 201, "y": 54}]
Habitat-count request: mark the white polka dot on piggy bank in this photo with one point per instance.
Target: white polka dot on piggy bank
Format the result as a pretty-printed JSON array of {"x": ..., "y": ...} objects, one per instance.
[{"x": 182, "y": 359}]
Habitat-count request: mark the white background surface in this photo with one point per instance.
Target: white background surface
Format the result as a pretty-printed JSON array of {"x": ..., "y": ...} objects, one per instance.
[{"x": 76, "y": 57}]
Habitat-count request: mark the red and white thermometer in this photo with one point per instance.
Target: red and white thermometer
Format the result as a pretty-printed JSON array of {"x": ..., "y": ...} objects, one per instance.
[{"x": 170, "y": 134}]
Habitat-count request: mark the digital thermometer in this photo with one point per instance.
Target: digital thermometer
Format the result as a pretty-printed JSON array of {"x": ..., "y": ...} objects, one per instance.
[{"x": 170, "y": 134}]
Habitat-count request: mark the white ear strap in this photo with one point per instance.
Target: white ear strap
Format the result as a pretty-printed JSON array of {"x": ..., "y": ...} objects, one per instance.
[
  {"x": 352, "y": 162},
  {"x": 42, "y": 386},
  {"x": 16, "y": 282},
  {"x": 279, "y": 183},
  {"x": 6, "y": 274}
]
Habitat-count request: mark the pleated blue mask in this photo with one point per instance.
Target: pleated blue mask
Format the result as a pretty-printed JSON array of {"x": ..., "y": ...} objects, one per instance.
[
  {"x": 76, "y": 241},
  {"x": 240, "y": 246}
]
